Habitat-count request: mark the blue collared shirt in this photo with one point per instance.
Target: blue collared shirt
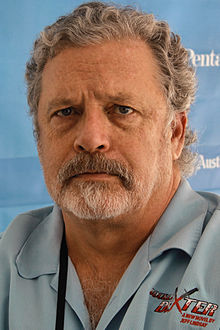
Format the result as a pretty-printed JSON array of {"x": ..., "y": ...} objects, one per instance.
[{"x": 172, "y": 282}]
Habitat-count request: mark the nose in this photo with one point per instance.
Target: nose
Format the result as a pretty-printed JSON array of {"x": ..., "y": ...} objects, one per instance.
[{"x": 92, "y": 134}]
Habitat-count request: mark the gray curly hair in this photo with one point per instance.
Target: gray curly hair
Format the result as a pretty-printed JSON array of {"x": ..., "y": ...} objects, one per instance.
[{"x": 95, "y": 22}]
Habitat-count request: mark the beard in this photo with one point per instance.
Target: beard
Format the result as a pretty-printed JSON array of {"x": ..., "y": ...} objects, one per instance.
[{"x": 94, "y": 200}]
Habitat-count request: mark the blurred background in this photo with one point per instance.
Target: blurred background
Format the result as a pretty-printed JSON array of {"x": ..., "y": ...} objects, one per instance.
[{"x": 21, "y": 181}]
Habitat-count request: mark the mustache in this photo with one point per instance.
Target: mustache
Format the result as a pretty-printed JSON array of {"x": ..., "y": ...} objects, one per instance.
[{"x": 95, "y": 163}]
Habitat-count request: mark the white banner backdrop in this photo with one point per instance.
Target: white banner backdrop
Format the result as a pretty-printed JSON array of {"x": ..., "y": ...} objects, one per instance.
[{"x": 21, "y": 180}]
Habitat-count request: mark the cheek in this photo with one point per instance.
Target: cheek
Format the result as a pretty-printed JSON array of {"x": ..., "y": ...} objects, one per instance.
[
  {"x": 146, "y": 139},
  {"x": 50, "y": 157},
  {"x": 150, "y": 148},
  {"x": 138, "y": 149}
]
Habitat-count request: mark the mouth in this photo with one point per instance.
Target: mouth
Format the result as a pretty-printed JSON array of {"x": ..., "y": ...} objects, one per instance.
[{"x": 94, "y": 176}]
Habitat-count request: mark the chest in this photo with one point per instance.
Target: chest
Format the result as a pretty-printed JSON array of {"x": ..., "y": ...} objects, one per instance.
[
  {"x": 98, "y": 288},
  {"x": 97, "y": 293}
]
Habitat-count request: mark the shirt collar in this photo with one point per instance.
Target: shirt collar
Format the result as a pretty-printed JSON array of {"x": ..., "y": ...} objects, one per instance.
[
  {"x": 181, "y": 224},
  {"x": 40, "y": 253}
]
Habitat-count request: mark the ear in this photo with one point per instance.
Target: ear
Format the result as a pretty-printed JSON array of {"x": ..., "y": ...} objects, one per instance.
[{"x": 178, "y": 134}]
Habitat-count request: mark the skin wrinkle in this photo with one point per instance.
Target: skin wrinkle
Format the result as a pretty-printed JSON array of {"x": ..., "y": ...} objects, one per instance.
[
  {"x": 84, "y": 163},
  {"x": 102, "y": 216},
  {"x": 176, "y": 76},
  {"x": 151, "y": 66}
]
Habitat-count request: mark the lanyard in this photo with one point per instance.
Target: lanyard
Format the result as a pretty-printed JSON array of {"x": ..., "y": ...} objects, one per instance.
[{"x": 62, "y": 284}]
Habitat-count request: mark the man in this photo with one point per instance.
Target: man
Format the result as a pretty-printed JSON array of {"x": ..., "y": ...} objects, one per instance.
[{"x": 109, "y": 89}]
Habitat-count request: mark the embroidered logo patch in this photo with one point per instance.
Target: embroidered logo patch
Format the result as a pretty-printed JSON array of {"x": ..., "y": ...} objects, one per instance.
[{"x": 193, "y": 311}]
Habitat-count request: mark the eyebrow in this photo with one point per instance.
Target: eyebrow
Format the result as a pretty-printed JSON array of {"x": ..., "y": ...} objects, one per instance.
[{"x": 59, "y": 102}]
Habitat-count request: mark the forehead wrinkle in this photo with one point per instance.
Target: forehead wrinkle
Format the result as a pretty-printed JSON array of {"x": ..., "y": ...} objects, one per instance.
[
  {"x": 80, "y": 88},
  {"x": 114, "y": 97}
]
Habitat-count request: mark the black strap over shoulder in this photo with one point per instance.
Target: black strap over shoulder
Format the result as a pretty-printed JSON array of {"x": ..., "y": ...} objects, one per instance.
[{"x": 62, "y": 284}]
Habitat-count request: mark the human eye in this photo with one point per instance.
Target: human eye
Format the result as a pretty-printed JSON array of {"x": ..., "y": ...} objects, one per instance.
[
  {"x": 123, "y": 110},
  {"x": 65, "y": 112}
]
